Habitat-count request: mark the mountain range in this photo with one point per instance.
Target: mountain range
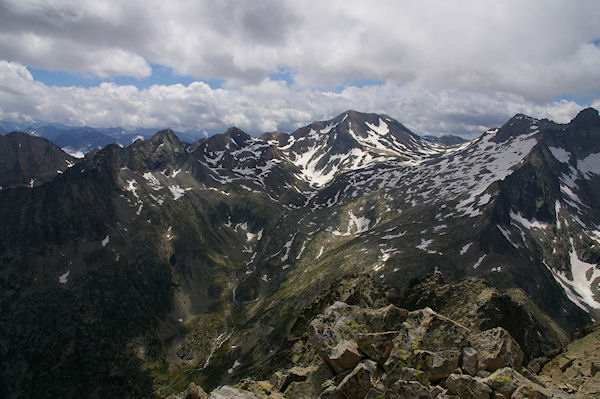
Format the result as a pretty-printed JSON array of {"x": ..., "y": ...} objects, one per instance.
[
  {"x": 136, "y": 269},
  {"x": 80, "y": 140}
]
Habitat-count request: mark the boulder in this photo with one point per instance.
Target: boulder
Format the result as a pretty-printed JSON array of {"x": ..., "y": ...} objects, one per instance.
[
  {"x": 334, "y": 333},
  {"x": 407, "y": 390},
  {"x": 496, "y": 349},
  {"x": 467, "y": 387},
  {"x": 194, "y": 391},
  {"x": 377, "y": 346},
  {"x": 436, "y": 365},
  {"x": 506, "y": 381},
  {"x": 469, "y": 360},
  {"x": 360, "y": 381},
  {"x": 404, "y": 374},
  {"x": 427, "y": 330},
  {"x": 227, "y": 392}
]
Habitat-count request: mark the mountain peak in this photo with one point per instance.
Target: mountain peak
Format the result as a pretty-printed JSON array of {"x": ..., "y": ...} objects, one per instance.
[
  {"x": 237, "y": 135},
  {"x": 586, "y": 117}
]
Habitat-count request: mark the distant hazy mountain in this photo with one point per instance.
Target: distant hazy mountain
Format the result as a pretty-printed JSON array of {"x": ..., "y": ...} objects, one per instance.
[
  {"x": 80, "y": 140},
  {"x": 447, "y": 140}
]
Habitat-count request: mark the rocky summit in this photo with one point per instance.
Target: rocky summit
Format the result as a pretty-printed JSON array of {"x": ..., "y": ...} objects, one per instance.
[{"x": 350, "y": 258}]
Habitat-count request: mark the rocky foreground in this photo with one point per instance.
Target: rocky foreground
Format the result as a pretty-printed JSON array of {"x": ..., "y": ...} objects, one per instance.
[{"x": 350, "y": 351}]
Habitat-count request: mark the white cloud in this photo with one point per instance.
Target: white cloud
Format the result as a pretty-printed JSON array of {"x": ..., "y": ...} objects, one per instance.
[
  {"x": 539, "y": 49},
  {"x": 266, "y": 106}
]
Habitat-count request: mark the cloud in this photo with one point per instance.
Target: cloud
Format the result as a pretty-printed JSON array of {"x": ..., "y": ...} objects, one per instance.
[
  {"x": 266, "y": 106},
  {"x": 539, "y": 49}
]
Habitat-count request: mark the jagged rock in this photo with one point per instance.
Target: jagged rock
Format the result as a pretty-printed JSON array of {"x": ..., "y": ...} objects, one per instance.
[
  {"x": 262, "y": 389},
  {"x": 227, "y": 392},
  {"x": 356, "y": 384},
  {"x": 477, "y": 305},
  {"x": 575, "y": 369},
  {"x": 308, "y": 381},
  {"x": 425, "y": 330},
  {"x": 194, "y": 391},
  {"x": 333, "y": 334},
  {"x": 436, "y": 365},
  {"x": 506, "y": 381},
  {"x": 404, "y": 374},
  {"x": 281, "y": 379},
  {"x": 496, "y": 349},
  {"x": 436, "y": 390},
  {"x": 377, "y": 346},
  {"x": 407, "y": 390},
  {"x": 535, "y": 392},
  {"x": 469, "y": 360},
  {"x": 467, "y": 387}
]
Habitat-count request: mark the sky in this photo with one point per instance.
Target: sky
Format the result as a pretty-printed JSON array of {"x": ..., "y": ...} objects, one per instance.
[{"x": 439, "y": 67}]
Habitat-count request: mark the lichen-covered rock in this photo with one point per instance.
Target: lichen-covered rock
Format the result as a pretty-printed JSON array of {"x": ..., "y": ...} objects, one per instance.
[
  {"x": 506, "y": 381},
  {"x": 532, "y": 392},
  {"x": 436, "y": 365},
  {"x": 496, "y": 349},
  {"x": 377, "y": 346},
  {"x": 467, "y": 387},
  {"x": 305, "y": 382},
  {"x": 425, "y": 329},
  {"x": 408, "y": 390},
  {"x": 333, "y": 334},
  {"x": 575, "y": 369},
  {"x": 262, "y": 389},
  {"x": 356, "y": 384},
  {"x": 469, "y": 360},
  {"x": 404, "y": 374},
  {"x": 281, "y": 379}
]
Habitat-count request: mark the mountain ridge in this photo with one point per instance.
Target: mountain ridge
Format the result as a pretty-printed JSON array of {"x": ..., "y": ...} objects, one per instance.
[{"x": 213, "y": 249}]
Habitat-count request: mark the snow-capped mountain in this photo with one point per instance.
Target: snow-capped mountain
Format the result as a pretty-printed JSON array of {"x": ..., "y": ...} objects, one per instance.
[
  {"x": 169, "y": 257},
  {"x": 350, "y": 141}
]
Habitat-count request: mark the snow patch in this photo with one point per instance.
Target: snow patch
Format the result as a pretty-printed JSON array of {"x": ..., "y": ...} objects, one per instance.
[
  {"x": 64, "y": 277},
  {"x": 464, "y": 249},
  {"x": 560, "y": 154},
  {"x": 528, "y": 224},
  {"x": 476, "y": 265},
  {"x": 177, "y": 191},
  {"x": 590, "y": 165}
]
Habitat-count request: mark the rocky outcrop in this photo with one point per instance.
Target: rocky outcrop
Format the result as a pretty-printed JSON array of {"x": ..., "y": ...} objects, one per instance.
[
  {"x": 477, "y": 305},
  {"x": 393, "y": 353},
  {"x": 575, "y": 370}
]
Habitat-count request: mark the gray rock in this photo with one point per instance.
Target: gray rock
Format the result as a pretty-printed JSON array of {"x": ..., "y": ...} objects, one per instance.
[
  {"x": 425, "y": 329},
  {"x": 227, "y": 392},
  {"x": 436, "y": 365},
  {"x": 360, "y": 381},
  {"x": 496, "y": 349},
  {"x": 404, "y": 374},
  {"x": 467, "y": 387},
  {"x": 194, "y": 391},
  {"x": 505, "y": 381},
  {"x": 469, "y": 360},
  {"x": 408, "y": 390},
  {"x": 377, "y": 346}
]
